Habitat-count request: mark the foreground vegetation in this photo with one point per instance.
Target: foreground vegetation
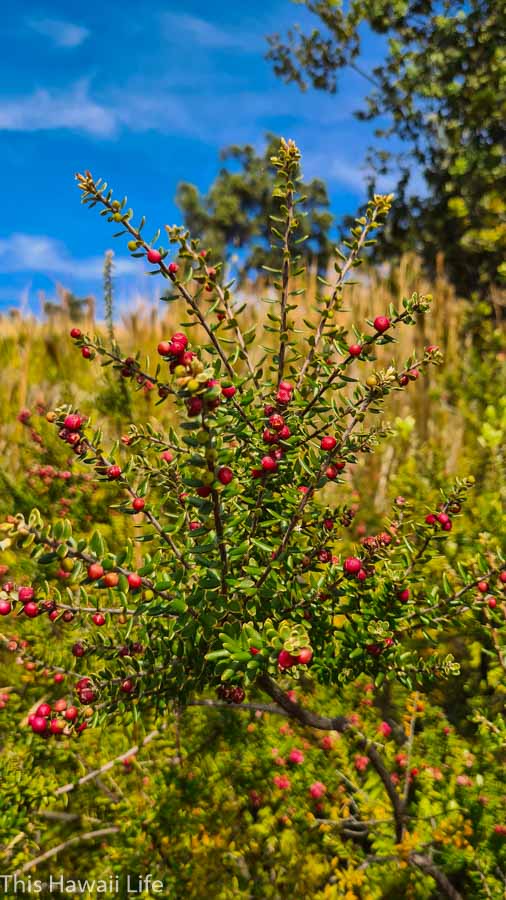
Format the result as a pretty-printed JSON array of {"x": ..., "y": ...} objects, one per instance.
[{"x": 360, "y": 775}]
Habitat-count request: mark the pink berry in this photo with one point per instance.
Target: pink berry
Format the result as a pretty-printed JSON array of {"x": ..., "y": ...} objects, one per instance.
[
  {"x": 25, "y": 594},
  {"x": 305, "y": 656},
  {"x": 352, "y": 565},
  {"x": 431, "y": 519},
  {"x": 5, "y": 607},
  {"x": 404, "y": 595},
  {"x": 38, "y": 724},
  {"x": 173, "y": 268},
  {"x": 31, "y": 610},
  {"x": 269, "y": 464},
  {"x": 154, "y": 256},
  {"x": 73, "y": 422},
  {"x": 167, "y": 456},
  {"x": 43, "y": 709}
]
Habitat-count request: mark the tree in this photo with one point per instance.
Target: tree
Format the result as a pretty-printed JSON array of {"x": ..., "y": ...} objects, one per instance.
[
  {"x": 442, "y": 88},
  {"x": 233, "y": 217}
]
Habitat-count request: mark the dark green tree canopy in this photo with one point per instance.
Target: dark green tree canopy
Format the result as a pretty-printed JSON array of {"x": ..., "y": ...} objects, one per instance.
[
  {"x": 442, "y": 90},
  {"x": 233, "y": 217}
]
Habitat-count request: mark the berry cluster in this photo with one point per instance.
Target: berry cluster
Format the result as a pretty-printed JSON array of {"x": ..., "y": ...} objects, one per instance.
[
  {"x": 230, "y": 694},
  {"x": 286, "y": 659}
]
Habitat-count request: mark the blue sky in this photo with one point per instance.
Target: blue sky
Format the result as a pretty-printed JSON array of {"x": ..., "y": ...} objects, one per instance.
[{"x": 145, "y": 97}]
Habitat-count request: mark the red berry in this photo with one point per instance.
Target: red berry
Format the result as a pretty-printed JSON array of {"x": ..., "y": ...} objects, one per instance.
[
  {"x": 482, "y": 587},
  {"x": 83, "y": 682},
  {"x": 381, "y": 323},
  {"x": 43, "y": 710},
  {"x": 276, "y": 421},
  {"x": 355, "y": 350},
  {"x": 134, "y": 581},
  {"x": 56, "y": 726},
  {"x": 492, "y": 602},
  {"x": 352, "y": 565},
  {"x": 154, "y": 256},
  {"x": 167, "y": 456},
  {"x": 111, "y": 579},
  {"x": 447, "y": 526},
  {"x": 194, "y": 525},
  {"x": 164, "y": 348},
  {"x": 502, "y": 577},
  {"x": 286, "y": 660},
  {"x": 283, "y": 397},
  {"x": 228, "y": 391},
  {"x": 98, "y": 619},
  {"x": 286, "y": 386},
  {"x": 5, "y": 607},
  {"x": 328, "y": 524},
  {"x": 31, "y": 610},
  {"x": 138, "y": 504},
  {"x": 331, "y": 472},
  {"x": 173, "y": 268},
  {"x": 73, "y": 422},
  {"x": 284, "y": 433},
  {"x": 75, "y": 332},
  {"x": 38, "y": 724},
  {"x": 269, "y": 464},
  {"x": 362, "y": 575},
  {"x": 443, "y": 518},
  {"x": 254, "y": 651},
  {"x": 25, "y": 594},
  {"x": 81, "y": 727},
  {"x": 59, "y": 677},
  {"x": 305, "y": 656},
  {"x": 225, "y": 475},
  {"x": 87, "y": 695},
  {"x": 127, "y": 686},
  {"x": 431, "y": 519},
  {"x": 113, "y": 472},
  {"x": 78, "y": 649},
  {"x": 195, "y": 406},
  {"x": 95, "y": 571},
  {"x": 86, "y": 352},
  {"x": 71, "y": 713},
  {"x": 204, "y": 490},
  {"x": 404, "y": 595}
]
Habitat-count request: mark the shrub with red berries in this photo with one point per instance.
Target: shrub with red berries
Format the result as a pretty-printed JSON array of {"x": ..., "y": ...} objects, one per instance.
[{"x": 239, "y": 574}]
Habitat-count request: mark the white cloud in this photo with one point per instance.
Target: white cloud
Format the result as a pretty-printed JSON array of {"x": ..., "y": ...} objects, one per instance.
[
  {"x": 63, "y": 34},
  {"x": 205, "y": 34},
  {"x": 42, "y": 254},
  {"x": 44, "y": 110}
]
